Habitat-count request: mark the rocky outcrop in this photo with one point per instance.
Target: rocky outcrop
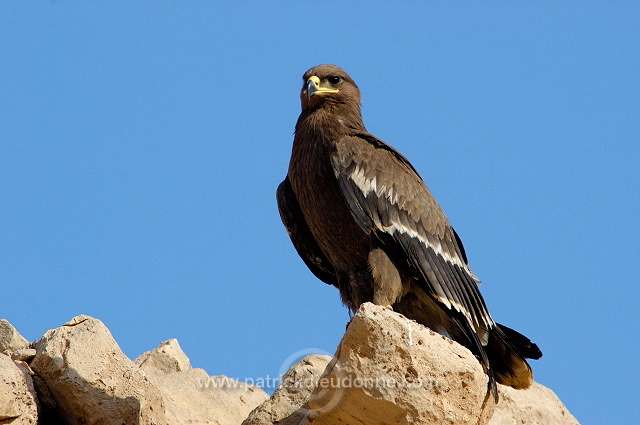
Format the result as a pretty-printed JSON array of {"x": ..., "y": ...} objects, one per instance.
[
  {"x": 77, "y": 374},
  {"x": 284, "y": 406},
  {"x": 18, "y": 401},
  {"x": 391, "y": 370},
  {"x": 191, "y": 396},
  {"x": 91, "y": 379},
  {"x": 167, "y": 357},
  {"x": 10, "y": 338},
  {"x": 536, "y": 406},
  {"x": 387, "y": 370}
]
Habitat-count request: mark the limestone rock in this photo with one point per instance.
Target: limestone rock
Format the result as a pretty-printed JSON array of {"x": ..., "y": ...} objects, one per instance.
[
  {"x": 91, "y": 379},
  {"x": 293, "y": 392},
  {"x": 191, "y": 396},
  {"x": 167, "y": 357},
  {"x": 23, "y": 354},
  {"x": 389, "y": 369},
  {"x": 18, "y": 402},
  {"x": 536, "y": 406},
  {"x": 10, "y": 338}
]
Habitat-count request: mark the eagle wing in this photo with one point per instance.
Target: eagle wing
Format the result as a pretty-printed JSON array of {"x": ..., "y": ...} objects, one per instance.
[
  {"x": 387, "y": 196},
  {"x": 301, "y": 237}
]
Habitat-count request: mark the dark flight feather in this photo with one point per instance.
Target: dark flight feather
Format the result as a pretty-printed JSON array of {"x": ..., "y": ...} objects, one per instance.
[
  {"x": 299, "y": 233},
  {"x": 363, "y": 191}
]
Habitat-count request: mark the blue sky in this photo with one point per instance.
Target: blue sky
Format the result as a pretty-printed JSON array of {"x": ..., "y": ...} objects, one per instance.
[{"x": 141, "y": 146}]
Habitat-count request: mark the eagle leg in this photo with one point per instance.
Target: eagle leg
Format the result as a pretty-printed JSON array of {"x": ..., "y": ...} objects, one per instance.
[{"x": 387, "y": 285}]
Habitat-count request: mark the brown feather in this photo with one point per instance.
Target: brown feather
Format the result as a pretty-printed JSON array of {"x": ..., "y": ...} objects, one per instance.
[{"x": 371, "y": 227}]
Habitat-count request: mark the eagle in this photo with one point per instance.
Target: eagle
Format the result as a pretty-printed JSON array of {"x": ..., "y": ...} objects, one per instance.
[{"x": 363, "y": 220}]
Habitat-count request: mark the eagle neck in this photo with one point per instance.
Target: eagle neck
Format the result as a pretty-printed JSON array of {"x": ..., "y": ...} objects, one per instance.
[{"x": 329, "y": 122}]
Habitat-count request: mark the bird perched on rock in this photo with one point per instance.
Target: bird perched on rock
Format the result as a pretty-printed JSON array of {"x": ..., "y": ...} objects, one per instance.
[{"x": 363, "y": 220}]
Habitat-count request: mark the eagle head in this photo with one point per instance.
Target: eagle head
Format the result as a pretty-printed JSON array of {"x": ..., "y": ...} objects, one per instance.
[{"x": 328, "y": 84}]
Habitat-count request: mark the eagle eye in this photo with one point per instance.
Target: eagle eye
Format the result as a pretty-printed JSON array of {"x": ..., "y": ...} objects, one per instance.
[{"x": 334, "y": 79}]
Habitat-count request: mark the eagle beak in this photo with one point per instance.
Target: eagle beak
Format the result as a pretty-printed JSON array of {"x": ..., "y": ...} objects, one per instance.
[{"x": 313, "y": 87}]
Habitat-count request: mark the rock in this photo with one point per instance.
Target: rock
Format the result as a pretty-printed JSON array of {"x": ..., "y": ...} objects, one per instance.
[
  {"x": 536, "y": 406},
  {"x": 293, "y": 392},
  {"x": 191, "y": 396},
  {"x": 390, "y": 370},
  {"x": 91, "y": 379},
  {"x": 23, "y": 354},
  {"x": 387, "y": 370},
  {"x": 78, "y": 319},
  {"x": 48, "y": 414},
  {"x": 18, "y": 401},
  {"x": 167, "y": 357},
  {"x": 10, "y": 338}
]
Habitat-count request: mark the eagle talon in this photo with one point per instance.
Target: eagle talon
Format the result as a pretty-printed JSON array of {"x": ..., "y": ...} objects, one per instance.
[{"x": 348, "y": 323}]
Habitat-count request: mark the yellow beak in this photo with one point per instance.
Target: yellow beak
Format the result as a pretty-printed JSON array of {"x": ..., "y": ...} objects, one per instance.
[{"x": 313, "y": 87}]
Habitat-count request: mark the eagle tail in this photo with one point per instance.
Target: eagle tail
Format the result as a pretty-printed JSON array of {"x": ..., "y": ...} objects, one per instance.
[
  {"x": 507, "y": 351},
  {"x": 450, "y": 323}
]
